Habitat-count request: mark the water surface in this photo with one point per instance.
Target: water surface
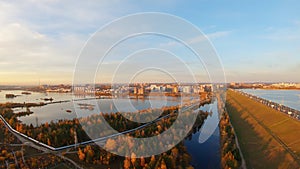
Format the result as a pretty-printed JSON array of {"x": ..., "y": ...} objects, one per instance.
[
  {"x": 290, "y": 98},
  {"x": 79, "y": 107},
  {"x": 206, "y": 153}
]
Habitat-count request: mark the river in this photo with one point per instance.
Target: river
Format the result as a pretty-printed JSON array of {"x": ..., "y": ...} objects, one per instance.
[
  {"x": 80, "y": 108},
  {"x": 204, "y": 145}
]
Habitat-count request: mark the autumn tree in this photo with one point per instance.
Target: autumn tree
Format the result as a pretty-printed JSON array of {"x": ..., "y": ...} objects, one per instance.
[
  {"x": 142, "y": 161},
  {"x": 163, "y": 165},
  {"x": 89, "y": 153},
  {"x": 81, "y": 155},
  {"x": 127, "y": 163},
  {"x": 110, "y": 144}
]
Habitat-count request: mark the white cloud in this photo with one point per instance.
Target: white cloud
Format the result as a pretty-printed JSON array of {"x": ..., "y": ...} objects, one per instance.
[
  {"x": 27, "y": 52},
  {"x": 43, "y": 38}
]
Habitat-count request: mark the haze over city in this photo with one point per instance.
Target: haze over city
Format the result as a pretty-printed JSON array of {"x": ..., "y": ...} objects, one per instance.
[{"x": 256, "y": 41}]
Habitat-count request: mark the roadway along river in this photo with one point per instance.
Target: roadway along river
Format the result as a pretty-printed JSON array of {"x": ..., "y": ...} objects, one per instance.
[{"x": 290, "y": 98}]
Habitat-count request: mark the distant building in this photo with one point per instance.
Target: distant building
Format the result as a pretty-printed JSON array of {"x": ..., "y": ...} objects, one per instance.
[
  {"x": 135, "y": 90},
  {"x": 154, "y": 88},
  {"x": 162, "y": 89},
  {"x": 139, "y": 90},
  {"x": 186, "y": 89},
  {"x": 79, "y": 89},
  {"x": 283, "y": 85},
  {"x": 175, "y": 89}
]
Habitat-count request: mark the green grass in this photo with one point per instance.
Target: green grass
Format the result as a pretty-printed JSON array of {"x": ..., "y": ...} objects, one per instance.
[{"x": 258, "y": 129}]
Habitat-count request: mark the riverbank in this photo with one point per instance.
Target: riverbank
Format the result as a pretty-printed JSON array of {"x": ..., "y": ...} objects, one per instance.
[
  {"x": 231, "y": 155},
  {"x": 267, "y": 137}
]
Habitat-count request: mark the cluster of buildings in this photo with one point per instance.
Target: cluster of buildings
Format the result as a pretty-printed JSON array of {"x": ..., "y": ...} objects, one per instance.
[
  {"x": 286, "y": 85},
  {"x": 146, "y": 88},
  {"x": 141, "y": 89},
  {"x": 56, "y": 88},
  {"x": 265, "y": 85}
]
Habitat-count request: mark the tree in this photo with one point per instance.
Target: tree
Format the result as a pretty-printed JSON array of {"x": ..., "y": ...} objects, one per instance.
[
  {"x": 81, "y": 155},
  {"x": 142, "y": 161},
  {"x": 46, "y": 125},
  {"x": 174, "y": 152},
  {"x": 152, "y": 161},
  {"x": 163, "y": 165},
  {"x": 110, "y": 144},
  {"x": 133, "y": 158},
  {"x": 2, "y": 159},
  {"x": 89, "y": 153},
  {"x": 126, "y": 163},
  {"x": 152, "y": 158},
  {"x": 48, "y": 142}
]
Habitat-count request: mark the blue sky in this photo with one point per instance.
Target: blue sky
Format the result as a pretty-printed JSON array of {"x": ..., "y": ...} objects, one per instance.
[{"x": 256, "y": 40}]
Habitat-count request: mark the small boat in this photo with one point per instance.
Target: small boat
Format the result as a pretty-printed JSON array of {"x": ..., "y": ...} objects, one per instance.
[
  {"x": 47, "y": 99},
  {"x": 10, "y": 96},
  {"x": 69, "y": 111},
  {"x": 86, "y": 106},
  {"x": 26, "y": 93}
]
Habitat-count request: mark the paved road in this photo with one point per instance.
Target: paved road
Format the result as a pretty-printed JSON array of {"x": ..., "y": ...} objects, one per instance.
[{"x": 25, "y": 141}]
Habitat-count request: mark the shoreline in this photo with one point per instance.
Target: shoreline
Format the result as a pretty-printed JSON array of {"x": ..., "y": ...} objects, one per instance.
[
  {"x": 286, "y": 109},
  {"x": 230, "y": 157}
]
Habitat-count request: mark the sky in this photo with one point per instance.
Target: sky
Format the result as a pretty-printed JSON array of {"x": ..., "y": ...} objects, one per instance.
[{"x": 40, "y": 41}]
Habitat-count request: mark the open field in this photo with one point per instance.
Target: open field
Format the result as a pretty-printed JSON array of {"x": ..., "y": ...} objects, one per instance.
[{"x": 268, "y": 138}]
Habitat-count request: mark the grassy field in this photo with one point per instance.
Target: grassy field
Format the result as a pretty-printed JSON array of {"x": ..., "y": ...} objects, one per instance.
[{"x": 268, "y": 138}]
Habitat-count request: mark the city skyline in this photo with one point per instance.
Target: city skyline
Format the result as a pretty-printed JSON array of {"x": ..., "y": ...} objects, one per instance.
[{"x": 40, "y": 41}]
